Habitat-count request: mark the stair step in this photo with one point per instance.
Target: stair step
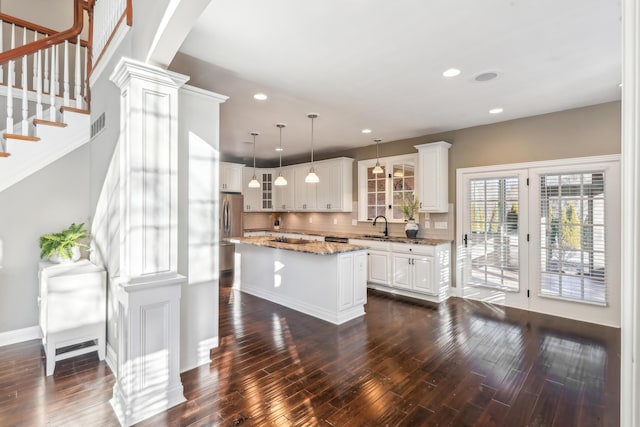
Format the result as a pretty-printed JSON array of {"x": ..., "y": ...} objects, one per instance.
[
  {"x": 4, "y": 154},
  {"x": 74, "y": 110},
  {"x": 21, "y": 137},
  {"x": 49, "y": 123}
]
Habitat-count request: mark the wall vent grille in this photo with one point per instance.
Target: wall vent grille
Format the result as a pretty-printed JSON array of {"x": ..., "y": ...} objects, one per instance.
[{"x": 98, "y": 125}]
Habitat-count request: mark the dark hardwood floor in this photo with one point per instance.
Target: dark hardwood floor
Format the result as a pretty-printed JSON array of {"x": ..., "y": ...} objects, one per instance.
[{"x": 405, "y": 363}]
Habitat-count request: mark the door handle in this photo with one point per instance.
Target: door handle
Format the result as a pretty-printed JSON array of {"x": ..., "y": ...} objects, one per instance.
[{"x": 464, "y": 239}]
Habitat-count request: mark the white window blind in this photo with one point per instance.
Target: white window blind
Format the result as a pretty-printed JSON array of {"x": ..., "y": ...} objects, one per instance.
[
  {"x": 572, "y": 237},
  {"x": 493, "y": 242}
]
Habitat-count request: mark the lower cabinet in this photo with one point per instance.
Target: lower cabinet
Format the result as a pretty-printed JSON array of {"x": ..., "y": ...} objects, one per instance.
[
  {"x": 378, "y": 267},
  {"x": 414, "y": 272},
  {"x": 420, "y": 271}
]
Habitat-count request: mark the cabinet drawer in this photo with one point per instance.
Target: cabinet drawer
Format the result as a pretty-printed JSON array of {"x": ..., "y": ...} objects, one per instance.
[
  {"x": 371, "y": 244},
  {"x": 428, "y": 250}
]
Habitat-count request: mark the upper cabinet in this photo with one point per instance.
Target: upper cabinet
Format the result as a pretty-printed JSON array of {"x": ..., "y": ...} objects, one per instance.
[
  {"x": 231, "y": 177},
  {"x": 284, "y": 195},
  {"x": 261, "y": 198},
  {"x": 305, "y": 193},
  {"x": 433, "y": 176},
  {"x": 334, "y": 191}
]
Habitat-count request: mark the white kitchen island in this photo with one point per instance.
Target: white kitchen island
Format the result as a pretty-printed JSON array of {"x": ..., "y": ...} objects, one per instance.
[{"x": 321, "y": 279}]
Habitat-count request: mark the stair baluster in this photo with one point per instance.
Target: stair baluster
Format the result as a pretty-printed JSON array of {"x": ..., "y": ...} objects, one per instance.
[
  {"x": 34, "y": 81},
  {"x": 65, "y": 81},
  {"x": 1, "y": 50},
  {"x": 10, "y": 80},
  {"x": 45, "y": 77},
  {"x": 53, "y": 83},
  {"x": 24, "y": 83},
  {"x": 38, "y": 71},
  {"x": 78, "y": 77}
]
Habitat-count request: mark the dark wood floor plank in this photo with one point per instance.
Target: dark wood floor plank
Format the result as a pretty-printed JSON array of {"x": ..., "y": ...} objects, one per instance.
[{"x": 406, "y": 362}]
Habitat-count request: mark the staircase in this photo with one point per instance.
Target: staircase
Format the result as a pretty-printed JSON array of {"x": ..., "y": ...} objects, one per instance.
[{"x": 44, "y": 95}]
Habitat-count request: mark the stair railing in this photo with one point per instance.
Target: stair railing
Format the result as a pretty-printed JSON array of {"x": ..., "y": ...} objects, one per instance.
[{"x": 53, "y": 69}]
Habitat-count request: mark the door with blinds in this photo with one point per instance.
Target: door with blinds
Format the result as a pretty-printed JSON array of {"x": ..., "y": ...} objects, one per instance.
[
  {"x": 543, "y": 238},
  {"x": 494, "y": 237},
  {"x": 575, "y": 241}
]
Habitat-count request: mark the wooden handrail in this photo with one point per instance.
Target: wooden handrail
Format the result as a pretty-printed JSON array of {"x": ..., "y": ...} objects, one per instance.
[
  {"x": 35, "y": 27},
  {"x": 50, "y": 40}
]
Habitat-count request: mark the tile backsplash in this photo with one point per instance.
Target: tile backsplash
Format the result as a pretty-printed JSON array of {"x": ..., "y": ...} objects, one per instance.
[{"x": 433, "y": 225}]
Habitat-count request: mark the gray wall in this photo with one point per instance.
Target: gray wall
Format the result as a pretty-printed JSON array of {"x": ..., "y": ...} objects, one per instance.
[{"x": 45, "y": 202}]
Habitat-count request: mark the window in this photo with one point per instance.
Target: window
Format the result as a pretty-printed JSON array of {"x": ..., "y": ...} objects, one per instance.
[
  {"x": 384, "y": 192},
  {"x": 494, "y": 241},
  {"x": 572, "y": 230}
]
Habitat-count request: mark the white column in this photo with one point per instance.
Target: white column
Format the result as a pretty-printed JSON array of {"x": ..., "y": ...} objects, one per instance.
[
  {"x": 149, "y": 286},
  {"x": 198, "y": 235},
  {"x": 630, "y": 369}
]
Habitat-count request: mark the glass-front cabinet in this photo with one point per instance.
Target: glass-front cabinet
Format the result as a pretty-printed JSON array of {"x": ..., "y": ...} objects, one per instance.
[{"x": 384, "y": 192}]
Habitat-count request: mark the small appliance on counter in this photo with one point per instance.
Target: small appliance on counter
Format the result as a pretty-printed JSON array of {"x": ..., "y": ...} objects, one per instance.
[{"x": 231, "y": 209}]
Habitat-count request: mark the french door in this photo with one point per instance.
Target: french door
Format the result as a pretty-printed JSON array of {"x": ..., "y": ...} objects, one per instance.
[
  {"x": 495, "y": 237},
  {"x": 543, "y": 237}
]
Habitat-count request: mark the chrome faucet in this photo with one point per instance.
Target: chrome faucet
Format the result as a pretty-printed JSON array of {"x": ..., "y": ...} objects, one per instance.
[{"x": 386, "y": 224}]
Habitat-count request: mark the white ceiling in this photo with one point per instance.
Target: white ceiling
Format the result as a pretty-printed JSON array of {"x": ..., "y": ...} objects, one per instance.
[{"x": 378, "y": 64}]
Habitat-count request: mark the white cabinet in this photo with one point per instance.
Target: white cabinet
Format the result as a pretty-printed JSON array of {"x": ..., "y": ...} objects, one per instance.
[
  {"x": 334, "y": 192},
  {"x": 73, "y": 310},
  {"x": 231, "y": 177},
  {"x": 433, "y": 176},
  {"x": 379, "y": 267},
  {"x": 413, "y": 267},
  {"x": 414, "y": 271},
  {"x": 252, "y": 196},
  {"x": 284, "y": 195},
  {"x": 402, "y": 271},
  {"x": 305, "y": 193},
  {"x": 419, "y": 271},
  {"x": 261, "y": 198},
  {"x": 378, "y": 260}
]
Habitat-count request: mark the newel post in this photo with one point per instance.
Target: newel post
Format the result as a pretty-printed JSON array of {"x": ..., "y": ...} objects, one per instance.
[{"x": 148, "y": 286}]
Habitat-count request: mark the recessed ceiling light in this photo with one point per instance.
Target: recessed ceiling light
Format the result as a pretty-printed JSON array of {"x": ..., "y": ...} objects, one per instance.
[
  {"x": 485, "y": 77},
  {"x": 279, "y": 149},
  {"x": 620, "y": 85},
  {"x": 451, "y": 72},
  {"x": 260, "y": 96},
  {"x": 366, "y": 130},
  {"x": 496, "y": 111}
]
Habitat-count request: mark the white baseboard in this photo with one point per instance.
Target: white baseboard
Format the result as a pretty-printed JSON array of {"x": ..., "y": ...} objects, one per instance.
[
  {"x": 20, "y": 335},
  {"x": 112, "y": 360}
]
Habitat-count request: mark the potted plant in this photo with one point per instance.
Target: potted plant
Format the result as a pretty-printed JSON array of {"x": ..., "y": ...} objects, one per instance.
[
  {"x": 276, "y": 220},
  {"x": 63, "y": 246},
  {"x": 409, "y": 207}
]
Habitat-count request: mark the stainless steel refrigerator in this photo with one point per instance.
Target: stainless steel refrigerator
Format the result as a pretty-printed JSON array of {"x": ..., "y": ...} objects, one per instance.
[{"x": 231, "y": 208}]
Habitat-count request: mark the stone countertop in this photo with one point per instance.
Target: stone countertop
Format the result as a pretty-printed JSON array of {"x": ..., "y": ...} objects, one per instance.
[
  {"x": 381, "y": 238},
  {"x": 310, "y": 247}
]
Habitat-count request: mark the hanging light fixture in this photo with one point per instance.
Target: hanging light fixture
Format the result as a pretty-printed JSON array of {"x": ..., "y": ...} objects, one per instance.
[
  {"x": 254, "y": 182},
  {"x": 280, "y": 180},
  {"x": 311, "y": 177},
  {"x": 377, "y": 169}
]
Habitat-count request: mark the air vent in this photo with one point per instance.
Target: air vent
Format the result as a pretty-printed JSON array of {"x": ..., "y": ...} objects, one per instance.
[{"x": 97, "y": 125}]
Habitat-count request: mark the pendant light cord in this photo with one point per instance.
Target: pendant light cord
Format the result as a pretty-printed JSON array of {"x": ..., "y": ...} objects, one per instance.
[{"x": 312, "y": 118}]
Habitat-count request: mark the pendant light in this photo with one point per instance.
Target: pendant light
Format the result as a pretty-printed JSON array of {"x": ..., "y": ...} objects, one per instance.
[
  {"x": 254, "y": 182},
  {"x": 280, "y": 180},
  {"x": 378, "y": 168},
  {"x": 311, "y": 177}
]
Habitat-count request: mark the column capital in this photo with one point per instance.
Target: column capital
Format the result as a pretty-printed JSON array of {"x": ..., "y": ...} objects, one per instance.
[{"x": 128, "y": 69}]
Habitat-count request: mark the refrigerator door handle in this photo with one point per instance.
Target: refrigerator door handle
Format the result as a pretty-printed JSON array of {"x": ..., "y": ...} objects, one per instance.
[{"x": 227, "y": 219}]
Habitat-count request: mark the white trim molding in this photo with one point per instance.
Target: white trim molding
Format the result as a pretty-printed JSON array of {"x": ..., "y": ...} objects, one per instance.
[
  {"x": 20, "y": 335},
  {"x": 630, "y": 372}
]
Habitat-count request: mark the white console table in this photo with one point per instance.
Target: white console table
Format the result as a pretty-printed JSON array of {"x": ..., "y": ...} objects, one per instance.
[{"x": 73, "y": 310}]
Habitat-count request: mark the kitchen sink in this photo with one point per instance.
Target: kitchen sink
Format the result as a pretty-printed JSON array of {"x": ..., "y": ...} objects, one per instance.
[
  {"x": 375, "y": 236},
  {"x": 290, "y": 240}
]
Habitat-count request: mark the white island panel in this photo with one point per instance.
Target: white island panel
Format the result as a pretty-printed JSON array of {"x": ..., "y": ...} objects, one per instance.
[{"x": 331, "y": 287}]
